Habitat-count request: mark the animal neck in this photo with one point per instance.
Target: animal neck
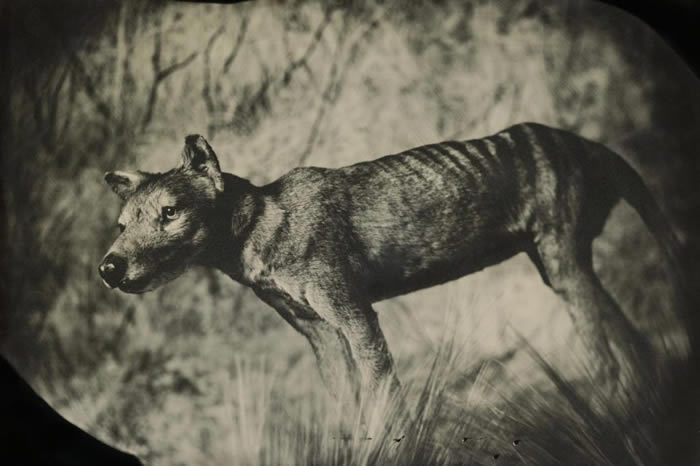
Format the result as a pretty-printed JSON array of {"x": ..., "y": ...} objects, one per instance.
[{"x": 235, "y": 217}]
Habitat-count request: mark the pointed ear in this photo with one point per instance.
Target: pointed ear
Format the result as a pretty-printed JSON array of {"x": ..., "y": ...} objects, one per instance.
[
  {"x": 200, "y": 157},
  {"x": 124, "y": 183}
]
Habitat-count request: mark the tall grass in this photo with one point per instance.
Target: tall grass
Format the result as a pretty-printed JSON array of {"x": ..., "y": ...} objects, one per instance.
[{"x": 651, "y": 420}]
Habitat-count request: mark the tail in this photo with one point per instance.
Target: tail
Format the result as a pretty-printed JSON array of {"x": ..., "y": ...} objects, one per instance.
[{"x": 632, "y": 189}]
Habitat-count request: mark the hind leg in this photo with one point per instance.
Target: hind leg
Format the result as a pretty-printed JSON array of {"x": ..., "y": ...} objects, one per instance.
[
  {"x": 335, "y": 361},
  {"x": 567, "y": 265}
]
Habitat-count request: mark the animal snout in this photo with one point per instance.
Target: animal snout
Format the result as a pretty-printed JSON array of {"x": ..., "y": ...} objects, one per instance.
[{"x": 112, "y": 270}]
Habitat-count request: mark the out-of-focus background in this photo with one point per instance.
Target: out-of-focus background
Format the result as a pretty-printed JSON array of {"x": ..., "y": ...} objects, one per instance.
[{"x": 197, "y": 371}]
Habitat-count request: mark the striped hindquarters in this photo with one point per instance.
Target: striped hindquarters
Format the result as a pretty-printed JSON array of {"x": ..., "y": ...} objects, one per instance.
[
  {"x": 476, "y": 161},
  {"x": 501, "y": 159},
  {"x": 506, "y": 163}
]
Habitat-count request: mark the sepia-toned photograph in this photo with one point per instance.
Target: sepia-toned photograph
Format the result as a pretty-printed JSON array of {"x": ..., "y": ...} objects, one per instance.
[{"x": 374, "y": 232}]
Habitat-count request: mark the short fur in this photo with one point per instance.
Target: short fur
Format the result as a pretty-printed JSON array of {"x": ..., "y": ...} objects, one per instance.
[{"x": 322, "y": 245}]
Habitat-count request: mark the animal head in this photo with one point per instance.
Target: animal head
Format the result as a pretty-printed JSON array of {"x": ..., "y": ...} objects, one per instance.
[{"x": 166, "y": 222}]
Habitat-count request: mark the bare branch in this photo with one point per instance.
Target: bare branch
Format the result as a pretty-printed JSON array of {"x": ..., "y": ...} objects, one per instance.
[
  {"x": 206, "y": 89},
  {"x": 89, "y": 87},
  {"x": 176, "y": 66},
  {"x": 363, "y": 38},
  {"x": 44, "y": 97},
  {"x": 155, "y": 63},
  {"x": 260, "y": 97},
  {"x": 325, "y": 100},
  {"x": 160, "y": 74},
  {"x": 335, "y": 81},
  {"x": 119, "y": 60},
  {"x": 302, "y": 61},
  {"x": 239, "y": 42},
  {"x": 53, "y": 104}
]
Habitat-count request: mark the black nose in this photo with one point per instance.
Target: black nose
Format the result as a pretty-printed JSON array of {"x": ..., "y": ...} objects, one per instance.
[{"x": 112, "y": 270}]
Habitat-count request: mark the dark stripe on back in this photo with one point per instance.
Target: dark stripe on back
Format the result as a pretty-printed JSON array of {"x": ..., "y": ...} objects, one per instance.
[
  {"x": 479, "y": 156},
  {"x": 525, "y": 152},
  {"x": 414, "y": 161},
  {"x": 490, "y": 158},
  {"x": 442, "y": 151},
  {"x": 386, "y": 163},
  {"x": 472, "y": 158},
  {"x": 560, "y": 150},
  {"x": 458, "y": 162},
  {"x": 575, "y": 151},
  {"x": 499, "y": 155},
  {"x": 503, "y": 159},
  {"x": 558, "y": 156},
  {"x": 427, "y": 158}
]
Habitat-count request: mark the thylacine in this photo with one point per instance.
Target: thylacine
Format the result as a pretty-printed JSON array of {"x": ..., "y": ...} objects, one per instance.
[{"x": 322, "y": 245}]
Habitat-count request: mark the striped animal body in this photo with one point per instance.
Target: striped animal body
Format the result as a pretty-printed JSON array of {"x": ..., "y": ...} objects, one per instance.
[{"x": 322, "y": 245}]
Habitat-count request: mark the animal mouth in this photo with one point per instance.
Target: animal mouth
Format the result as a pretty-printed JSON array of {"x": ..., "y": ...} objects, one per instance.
[
  {"x": 136, "y": 286},
  {"x": 111, "y": 287},
  {"x": 128, "y": 286}
]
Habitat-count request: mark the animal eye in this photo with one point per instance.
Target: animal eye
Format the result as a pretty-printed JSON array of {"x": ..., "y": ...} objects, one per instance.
[
  {"x": 121, "y": 227},
  {"x": 169, "y": 213}
]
